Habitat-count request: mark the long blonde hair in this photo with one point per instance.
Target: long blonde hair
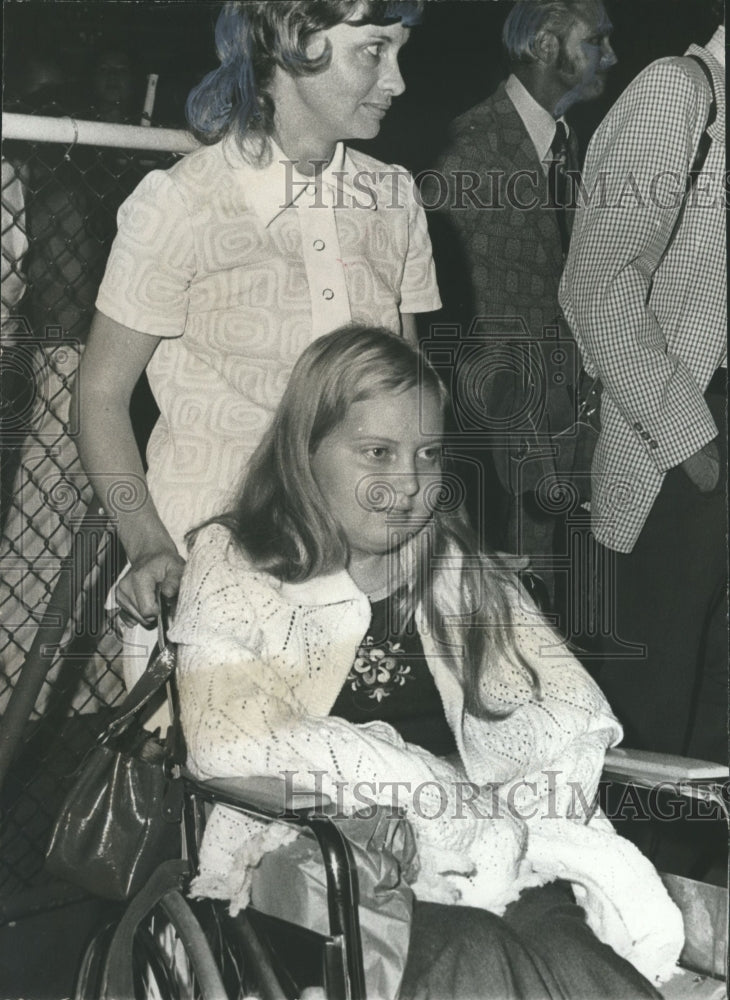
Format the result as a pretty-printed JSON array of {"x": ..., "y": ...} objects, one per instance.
[{"x": 282, "y": 523}]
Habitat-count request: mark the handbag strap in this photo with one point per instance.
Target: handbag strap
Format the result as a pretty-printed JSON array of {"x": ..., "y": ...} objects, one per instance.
[
  {"x": 703, "y": 147},
  {"x": 159, "y": 669},
  {"x": 705, "y": 139}
]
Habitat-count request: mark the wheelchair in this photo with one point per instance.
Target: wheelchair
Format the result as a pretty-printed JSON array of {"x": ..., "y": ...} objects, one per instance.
[
  {"x": 169, "y": 947},
  {"x": 166, "y": 945}
]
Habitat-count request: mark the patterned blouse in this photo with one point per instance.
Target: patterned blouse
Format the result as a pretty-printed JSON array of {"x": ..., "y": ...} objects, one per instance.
[{"x": 238, "y": 269}]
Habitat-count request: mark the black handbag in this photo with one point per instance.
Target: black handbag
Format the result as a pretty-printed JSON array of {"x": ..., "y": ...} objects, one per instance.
[{"x": 122, "y": 817}]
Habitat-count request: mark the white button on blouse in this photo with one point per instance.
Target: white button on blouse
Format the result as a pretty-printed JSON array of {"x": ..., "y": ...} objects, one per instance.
[{"x": 323, "y": 260}]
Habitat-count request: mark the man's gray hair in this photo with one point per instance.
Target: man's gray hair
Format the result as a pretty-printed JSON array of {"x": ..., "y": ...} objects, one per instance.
[{"x": 529, "y": 17}]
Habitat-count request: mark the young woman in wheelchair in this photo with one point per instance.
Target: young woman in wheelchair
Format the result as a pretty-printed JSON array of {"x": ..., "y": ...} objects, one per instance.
[{"x": 340, "y": 619}]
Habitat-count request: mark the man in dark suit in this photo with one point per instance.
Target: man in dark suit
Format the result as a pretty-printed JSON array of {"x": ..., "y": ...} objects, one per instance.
[{"x": 501, "y": 235}]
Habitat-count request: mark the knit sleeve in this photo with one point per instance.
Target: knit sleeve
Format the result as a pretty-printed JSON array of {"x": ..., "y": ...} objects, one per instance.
[
  {"x": 559, "y": 735},
  {"x": 213, "y": 597},
  {"x": 242, "y": 716},
  {"x": 548, "y": 751},
  {"x": 241, "y": 698}
]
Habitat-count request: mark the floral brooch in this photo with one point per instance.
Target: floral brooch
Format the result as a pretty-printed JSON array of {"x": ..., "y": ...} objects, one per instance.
[{"x": 378, "y": 670}]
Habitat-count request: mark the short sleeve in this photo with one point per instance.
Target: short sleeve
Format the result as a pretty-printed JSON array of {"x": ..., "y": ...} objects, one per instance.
[
  {"x": 419, "y": 289},
  {"x": 151, "y": 264}
]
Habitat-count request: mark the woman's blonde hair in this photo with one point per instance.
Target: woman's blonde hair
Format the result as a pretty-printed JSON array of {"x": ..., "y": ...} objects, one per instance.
[{"x": 282, "y": 523}]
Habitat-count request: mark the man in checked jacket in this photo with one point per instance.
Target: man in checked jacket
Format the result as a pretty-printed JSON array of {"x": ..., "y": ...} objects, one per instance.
[{"x": 644, "y": 291}]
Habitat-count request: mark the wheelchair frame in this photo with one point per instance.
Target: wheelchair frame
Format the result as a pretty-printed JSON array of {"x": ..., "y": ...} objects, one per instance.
[{"x": 108, "y": 968}]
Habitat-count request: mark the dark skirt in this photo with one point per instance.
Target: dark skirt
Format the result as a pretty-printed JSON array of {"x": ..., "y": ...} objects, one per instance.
[{"x": 541, "y": 949}]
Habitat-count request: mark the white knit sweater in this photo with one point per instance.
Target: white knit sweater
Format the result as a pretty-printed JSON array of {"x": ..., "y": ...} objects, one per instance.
[{"x": 260, "y": 665}]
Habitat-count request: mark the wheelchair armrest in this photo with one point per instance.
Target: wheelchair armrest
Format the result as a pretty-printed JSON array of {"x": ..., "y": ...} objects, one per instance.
[
  {"x": 701, "y": 780},
  {"x": 647, "y": 768},
  {"x": 703, "y": 906},
  {"x": 267, "y": 795}
]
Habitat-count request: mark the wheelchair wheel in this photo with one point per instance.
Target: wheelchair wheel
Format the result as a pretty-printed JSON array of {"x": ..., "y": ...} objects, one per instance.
[
  {"x": 172, "y": 958},
  {"x": 91, "y": 973},
  {"x": 186, "y": 950}
]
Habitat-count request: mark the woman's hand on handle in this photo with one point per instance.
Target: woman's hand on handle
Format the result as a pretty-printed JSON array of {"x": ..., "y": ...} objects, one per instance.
[{"x": 154, "y": 573}]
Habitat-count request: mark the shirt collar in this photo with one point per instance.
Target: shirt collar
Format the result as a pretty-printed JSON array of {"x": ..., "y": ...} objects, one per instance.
[
  {"x": 716, "y": 45},
  {"x": 539, "y": 123},
  {"x": 272, "y": 188},
  {"x": 319, "y": 590}
]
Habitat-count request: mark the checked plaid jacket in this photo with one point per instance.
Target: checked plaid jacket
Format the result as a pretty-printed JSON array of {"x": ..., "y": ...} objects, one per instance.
[{"x": 644, "y": 288}]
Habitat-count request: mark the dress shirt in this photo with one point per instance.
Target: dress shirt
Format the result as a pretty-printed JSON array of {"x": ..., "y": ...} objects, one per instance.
[
  {"x": 539, "y": 123},
  {"x": 716, "y": 45}
]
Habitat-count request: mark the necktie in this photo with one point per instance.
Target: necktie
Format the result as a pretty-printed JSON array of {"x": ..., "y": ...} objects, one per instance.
[{"x": 558, "y": 180}]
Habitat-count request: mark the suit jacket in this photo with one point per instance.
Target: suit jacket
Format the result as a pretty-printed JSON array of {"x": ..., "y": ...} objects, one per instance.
[
  {"x": 499, "y": 259},
  {"x": 645, "y": 286}
]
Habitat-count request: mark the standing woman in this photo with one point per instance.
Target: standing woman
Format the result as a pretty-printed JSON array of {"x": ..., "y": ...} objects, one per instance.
[{"x": 228, "y": 265}]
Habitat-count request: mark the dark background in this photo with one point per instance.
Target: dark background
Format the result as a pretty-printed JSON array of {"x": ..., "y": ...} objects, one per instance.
[{"x": 453, "y": 60}]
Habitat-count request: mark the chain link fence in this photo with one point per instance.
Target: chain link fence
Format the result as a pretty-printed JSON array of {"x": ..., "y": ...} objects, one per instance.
[{"x": 60, "y": 659}]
